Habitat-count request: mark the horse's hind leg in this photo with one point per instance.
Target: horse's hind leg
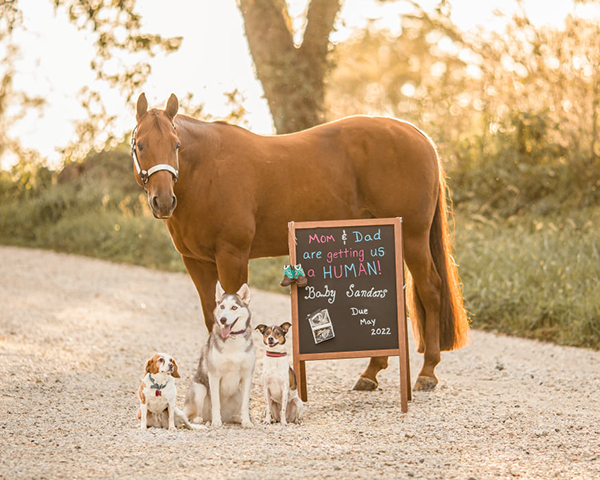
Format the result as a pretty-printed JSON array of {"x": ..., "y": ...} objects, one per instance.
[
  {"x": 429, "y": 290},
  {"x": 428, "y": 285},
  {"x": 368, "y": 379}
]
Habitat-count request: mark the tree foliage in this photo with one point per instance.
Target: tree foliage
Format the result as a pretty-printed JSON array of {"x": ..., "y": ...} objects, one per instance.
[
  {"x": 10, "y": 19},
  {"x": 123, "y": 53},
  {"x": 515, "y": 113},
  {"x": 118, "y": 37}
]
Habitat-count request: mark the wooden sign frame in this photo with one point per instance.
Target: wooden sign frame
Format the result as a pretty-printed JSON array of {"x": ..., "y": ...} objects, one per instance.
[{"x": 401, "y": 351}]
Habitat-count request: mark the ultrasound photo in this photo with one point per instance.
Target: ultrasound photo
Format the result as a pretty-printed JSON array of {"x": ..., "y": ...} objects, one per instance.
[{"x": 320, "y": 323}]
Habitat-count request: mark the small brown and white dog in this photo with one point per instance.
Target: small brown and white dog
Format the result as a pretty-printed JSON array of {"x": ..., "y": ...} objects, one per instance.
[
  {"x": 157, "y": 395},
  {"x": 279, "y": 381}
]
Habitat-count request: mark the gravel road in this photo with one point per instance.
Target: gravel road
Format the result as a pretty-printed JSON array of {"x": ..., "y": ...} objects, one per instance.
[{"x": 75, "y": 332}]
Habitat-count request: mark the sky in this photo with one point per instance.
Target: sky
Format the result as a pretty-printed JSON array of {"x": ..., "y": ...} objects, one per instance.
[{"x": 213, "y": 59}]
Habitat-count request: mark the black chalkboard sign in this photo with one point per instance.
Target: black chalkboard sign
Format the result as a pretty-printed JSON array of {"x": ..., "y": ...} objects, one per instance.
[{"x": 353, "y": 304}]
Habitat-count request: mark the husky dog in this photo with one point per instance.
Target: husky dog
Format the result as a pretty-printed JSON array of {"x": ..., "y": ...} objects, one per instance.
[{"x": 220, "y": 390}]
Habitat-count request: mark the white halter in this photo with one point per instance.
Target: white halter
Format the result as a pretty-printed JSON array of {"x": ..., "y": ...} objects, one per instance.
[{"x": 145, "y": 174}]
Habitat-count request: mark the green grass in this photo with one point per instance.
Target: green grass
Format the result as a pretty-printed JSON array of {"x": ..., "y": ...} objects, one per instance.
[
  {"x": 267, "y": 273},
  {"x": 534, "y": 277},
  {"x": 111, "y": 236}
]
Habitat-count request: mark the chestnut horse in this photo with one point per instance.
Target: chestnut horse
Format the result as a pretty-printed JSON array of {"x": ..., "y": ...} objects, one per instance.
[{"x": 226, "y": 195}]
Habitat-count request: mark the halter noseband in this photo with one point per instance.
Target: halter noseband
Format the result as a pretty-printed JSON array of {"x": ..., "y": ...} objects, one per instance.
[{"x": 145, "y": 174}]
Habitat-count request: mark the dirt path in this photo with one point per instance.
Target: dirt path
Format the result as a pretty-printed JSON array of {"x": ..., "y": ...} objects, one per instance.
[{"x": 75, "y": 332}]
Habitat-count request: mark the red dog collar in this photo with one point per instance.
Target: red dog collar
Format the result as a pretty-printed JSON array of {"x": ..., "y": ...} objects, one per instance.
[{"x": 276, "y": 354}]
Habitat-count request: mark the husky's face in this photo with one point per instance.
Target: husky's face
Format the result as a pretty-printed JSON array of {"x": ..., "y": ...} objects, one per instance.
[{"x": 232, "y": 315}]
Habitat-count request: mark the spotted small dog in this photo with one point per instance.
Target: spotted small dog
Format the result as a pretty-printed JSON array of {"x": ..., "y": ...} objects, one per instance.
[
  {"x": 157, "y": 395},
  {"x": 279, "y": 380}
]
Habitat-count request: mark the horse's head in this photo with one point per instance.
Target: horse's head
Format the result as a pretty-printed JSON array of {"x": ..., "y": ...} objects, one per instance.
[{"x": 154, "y": 148}]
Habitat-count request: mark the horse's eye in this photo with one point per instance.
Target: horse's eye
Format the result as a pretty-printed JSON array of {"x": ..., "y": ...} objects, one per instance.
[{"x": 140, "y": 147}]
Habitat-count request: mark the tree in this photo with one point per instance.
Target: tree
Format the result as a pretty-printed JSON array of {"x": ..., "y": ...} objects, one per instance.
[{"x": 293, "y": 77}]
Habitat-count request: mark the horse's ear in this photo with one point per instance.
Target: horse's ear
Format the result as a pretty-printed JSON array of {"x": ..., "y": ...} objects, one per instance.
[
  {"x": 142, "y": 106},
  {"x": 172, "y": 106}
]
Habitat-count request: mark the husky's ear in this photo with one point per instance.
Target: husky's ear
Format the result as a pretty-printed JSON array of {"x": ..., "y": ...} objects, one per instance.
[
  {"x": 220, "y": 293},
  {"x": 244, "y": 293},
  {"x": 286, "y": 326},
  {"x": 261, "y": 328}
]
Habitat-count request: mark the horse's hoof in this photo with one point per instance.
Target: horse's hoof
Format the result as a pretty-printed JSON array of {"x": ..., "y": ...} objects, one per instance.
[
  {"x": 365, "y": 385},
  {"x": 425, "y": 384}
]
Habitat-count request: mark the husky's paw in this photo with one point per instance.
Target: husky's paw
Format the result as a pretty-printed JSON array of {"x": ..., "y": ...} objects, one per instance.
[
  {"x": 172, "y": 429},
  {"x": 217, "y": 423},
  {"x": 247, "y": 424},
  {"x": 236, "y": 418},
  {"x": 195, "y": 426}
]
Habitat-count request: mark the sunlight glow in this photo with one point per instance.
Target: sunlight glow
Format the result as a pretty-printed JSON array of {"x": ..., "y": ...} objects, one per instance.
[{"x": 213, "y": 59}]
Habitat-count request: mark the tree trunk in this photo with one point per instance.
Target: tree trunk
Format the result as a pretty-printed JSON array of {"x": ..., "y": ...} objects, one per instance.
[{"x": 292, "y": 77}]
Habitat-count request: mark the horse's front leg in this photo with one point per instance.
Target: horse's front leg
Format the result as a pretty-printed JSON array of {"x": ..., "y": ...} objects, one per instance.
[
  {"x": 368, "y": 379},
  {"x": 204, "y": 275},
  {"x": 232, "y": 265}
]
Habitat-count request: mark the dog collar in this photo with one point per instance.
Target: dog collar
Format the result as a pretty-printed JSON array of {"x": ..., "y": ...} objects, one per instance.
[
  {"x": 156, "y": 385},
  {"x": 276, "y": 354}
]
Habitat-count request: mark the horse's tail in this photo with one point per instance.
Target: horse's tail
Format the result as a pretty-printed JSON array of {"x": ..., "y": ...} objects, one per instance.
[{"x": 454, "y": 324}]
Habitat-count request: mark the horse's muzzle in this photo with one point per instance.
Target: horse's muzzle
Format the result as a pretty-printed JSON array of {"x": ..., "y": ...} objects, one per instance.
[{"x": 162, "y": 206}]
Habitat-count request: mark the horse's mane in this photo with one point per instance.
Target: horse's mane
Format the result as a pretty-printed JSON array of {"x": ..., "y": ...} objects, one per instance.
[
  {"x": 194, "y": 122},
  {"x": 154, "y": 114}
]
